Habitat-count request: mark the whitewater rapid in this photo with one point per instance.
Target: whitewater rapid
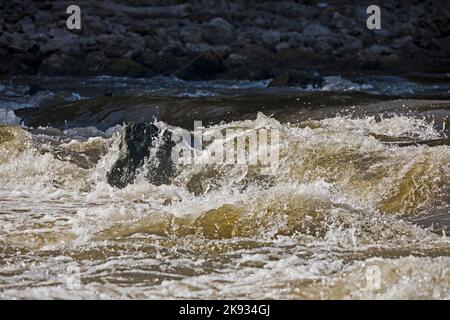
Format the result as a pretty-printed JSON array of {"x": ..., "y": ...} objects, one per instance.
[{"x": 342, "y": 201}]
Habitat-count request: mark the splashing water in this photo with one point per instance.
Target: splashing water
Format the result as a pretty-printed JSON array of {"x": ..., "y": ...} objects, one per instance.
[{"x": 342, "y": 200}]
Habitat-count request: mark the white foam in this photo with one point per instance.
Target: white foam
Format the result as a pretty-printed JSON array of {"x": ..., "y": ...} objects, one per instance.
[{"x": 8, "y": 117}]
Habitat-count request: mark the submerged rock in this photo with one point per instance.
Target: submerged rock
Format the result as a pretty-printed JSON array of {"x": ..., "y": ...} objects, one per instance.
[
  {"x": 137, "y": 142},
  {"x": 296, "y": 78}
]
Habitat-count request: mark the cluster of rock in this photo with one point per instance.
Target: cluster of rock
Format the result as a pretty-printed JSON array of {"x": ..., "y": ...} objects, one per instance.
[{"x": 233, "y": 39}]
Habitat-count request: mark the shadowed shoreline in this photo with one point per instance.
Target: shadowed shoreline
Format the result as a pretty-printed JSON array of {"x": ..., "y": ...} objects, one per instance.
[{"x": 285, "y": 40}]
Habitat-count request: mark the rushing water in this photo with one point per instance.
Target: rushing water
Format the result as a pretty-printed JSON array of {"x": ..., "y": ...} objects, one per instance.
[{"x": 358, "y": 206}]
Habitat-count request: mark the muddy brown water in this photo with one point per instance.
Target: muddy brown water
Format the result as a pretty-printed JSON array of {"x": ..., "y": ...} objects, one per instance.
[{"x": 358, "y": 206}]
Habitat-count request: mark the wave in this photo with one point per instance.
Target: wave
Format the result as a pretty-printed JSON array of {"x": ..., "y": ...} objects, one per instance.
[
  {"x": 333, "y": 174},
  {"x": 345, "y": 199}
]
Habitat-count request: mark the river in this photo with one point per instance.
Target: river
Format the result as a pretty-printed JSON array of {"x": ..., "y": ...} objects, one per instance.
[{"x": 356, "y": 208}]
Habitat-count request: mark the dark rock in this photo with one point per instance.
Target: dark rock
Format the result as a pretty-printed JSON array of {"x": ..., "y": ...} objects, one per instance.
[
  {"x": 300, "y": 57},
  {"x": 147, "y": 58},
  {"x": 168, "y": 64},
  {"x": 153, "y": 42},
  {"x": 236, "y": 60},
  {"x": 43, "y": 18},
  {"x": 194, "y": 49},
  {"x": 218, "y": 31},
  {"x": 391, "y": 61},
  {"x": 88, "y": 44},
  {"x": 379, "y": 49},
  {"x": 27, "y": 25},
  {"x": 444, "y": 44},
  {"x": 257, "y": 35},
  {"x": 62, "y": 41},
  {"x": 342, "y": 22},
  {"x": 173, "y": 48},
  {"x": 315, "y": 30},
  {"x": 60, "y": 64},
  {"x": 35, "y": 88},
  {"x": 137, "y": 142},
  {"x": 114, "y": 46},
  {"x": 295, "y": 39},
  {"x": 352, "y": 43},
  {"x": 15, "y": 41},
  {"x": 123, "y": 67},
  {"x": 252, "y": 62},
  {"x": 192, "y": 34},
  {"x": 222, "y": 50},
  {"x": 296, "y": 78},
  {"x": 204, "y": 66},
  {"x": 404, "y": 42},
  {"x": 96, "y": 26},
  {"x": 270, "y": 38},
  {"x": 321, "y": 45},
  {"x": 93, "y": 60}
]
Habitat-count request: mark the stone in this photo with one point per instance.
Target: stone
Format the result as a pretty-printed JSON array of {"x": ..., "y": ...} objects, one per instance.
[
  {"x": 123, "y": 67},
  {"x": 27, "y": 25},
  {"x": 352, "y": 43},
  {"x": 114, "y": 46},
  {"x": 194, "y": 49},
  {"x": 222, "y": 49},
  {"x": 236, "y": 60},
  {"x": 297, "y": 79},
  {"x": 342, "y": 22},
  {"x": 295, "y": 39},
  {"x": 299, "y": 57},
  {"x": 173, "y": 48},
  {"x": 402, "y": 42},
  {"x": 282, "y": 46},
  {"x": 315, "y": 30},
  {"x": 15, "y": 41},
  {"x": 93, "y": 60},
  {"x": 88, "y": 44},
  {"x": 154, "y": 43},
  {"x": 204, "y": 66},
  {"x": 391, "y": 61},
  {"x": 258, "y": 64},
  {"x": 147, "y": 58},
  {"x": 96, "y": 26},
  {"x": 60, "y": 64},
  {"x": 413, "y": 36},
  {"x": 136, "y": 145},
  {"x": 270, "y": 38},
  {"x": 192, "y": 34},
  {"x": 322, "y": 45},
  {"x": 61, "y": 40},
  {"x": 43, "y": 18},
  {"x": 380, "y": 49},
  {"x": 218, "y": 31},
  {"x": 444, "y": 44}
]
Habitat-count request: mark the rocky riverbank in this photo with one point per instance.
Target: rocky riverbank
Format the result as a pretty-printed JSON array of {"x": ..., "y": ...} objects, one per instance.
[{"x": 289, "y": 41}]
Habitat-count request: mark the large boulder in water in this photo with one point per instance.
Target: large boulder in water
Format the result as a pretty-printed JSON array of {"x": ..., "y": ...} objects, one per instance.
[{"x": 139, "y": 142}]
